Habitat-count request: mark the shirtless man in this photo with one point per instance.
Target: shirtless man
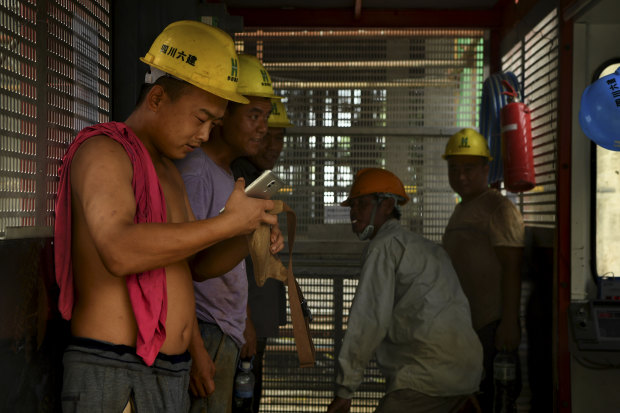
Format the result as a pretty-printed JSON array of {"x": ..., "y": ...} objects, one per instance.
[{"x": 127, "y": 349}]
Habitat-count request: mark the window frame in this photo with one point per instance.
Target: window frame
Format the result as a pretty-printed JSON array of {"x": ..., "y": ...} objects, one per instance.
[{"x": 594, "y": 177}]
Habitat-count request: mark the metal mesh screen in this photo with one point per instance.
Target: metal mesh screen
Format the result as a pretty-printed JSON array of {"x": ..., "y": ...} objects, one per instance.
[
  {"x": 370, "y": 98},
  {"x": 535, "y": 62},
  {"x": 288, "y": 388},
  {"x": 358, "y": 98},
  {"x": 54, "y": 80}
]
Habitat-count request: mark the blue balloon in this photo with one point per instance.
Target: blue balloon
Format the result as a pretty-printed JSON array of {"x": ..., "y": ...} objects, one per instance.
[{"x": 599, "y": 111}]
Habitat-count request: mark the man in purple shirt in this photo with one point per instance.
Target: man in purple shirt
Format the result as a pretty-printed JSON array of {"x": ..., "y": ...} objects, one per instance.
[{"x": 221, "y": 302}]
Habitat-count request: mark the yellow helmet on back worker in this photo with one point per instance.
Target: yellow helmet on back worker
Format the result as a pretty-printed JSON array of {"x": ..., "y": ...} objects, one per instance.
[
  {"x": 278, "y": 117},
  {"x": 199, "y": 54},
  {"x": 254, "y": 80},
  {"x": 467, "y": 142},
  {"x": 376, "y": 181}
]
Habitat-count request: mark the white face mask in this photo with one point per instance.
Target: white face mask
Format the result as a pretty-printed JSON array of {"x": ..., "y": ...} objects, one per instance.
[{"x": 370, "y": 228}]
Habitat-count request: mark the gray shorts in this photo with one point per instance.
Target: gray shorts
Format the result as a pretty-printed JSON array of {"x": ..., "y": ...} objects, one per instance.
[
  {"x": 104, "y": 377},
  {"x": 225, "y": 355}
]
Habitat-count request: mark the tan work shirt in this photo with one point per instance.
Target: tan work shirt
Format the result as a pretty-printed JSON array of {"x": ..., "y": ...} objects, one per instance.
[{"x": 474, "y": 230}]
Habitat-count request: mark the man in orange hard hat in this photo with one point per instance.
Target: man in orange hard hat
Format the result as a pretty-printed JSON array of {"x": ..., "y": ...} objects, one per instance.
[{"x": 409, "y": 311}]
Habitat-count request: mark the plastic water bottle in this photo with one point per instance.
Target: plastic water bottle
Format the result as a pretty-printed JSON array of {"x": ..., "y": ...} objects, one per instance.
[
  {"x": 243, "y": 394},
  {"x": 505, "y": 381}
]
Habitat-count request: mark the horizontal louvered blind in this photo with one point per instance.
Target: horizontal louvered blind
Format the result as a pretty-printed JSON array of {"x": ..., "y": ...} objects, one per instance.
[
  {"x": 18, "y": 114},
  {"x": 54, "y": 80},
  {"x": 534, "y": 60}
]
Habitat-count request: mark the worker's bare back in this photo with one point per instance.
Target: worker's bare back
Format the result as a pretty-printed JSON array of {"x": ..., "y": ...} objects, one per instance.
[{"x": 107, "y": 246}]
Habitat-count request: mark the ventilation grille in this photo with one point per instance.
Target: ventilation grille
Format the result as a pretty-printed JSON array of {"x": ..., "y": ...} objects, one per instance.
[
  {"x": 534, "y": 60},
  {"x": 370, "y": 98},
  {"x": 54, "y": 80}
]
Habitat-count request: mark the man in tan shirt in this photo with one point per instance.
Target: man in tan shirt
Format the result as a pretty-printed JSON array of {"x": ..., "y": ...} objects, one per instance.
[{"x": 484, "y": 239}]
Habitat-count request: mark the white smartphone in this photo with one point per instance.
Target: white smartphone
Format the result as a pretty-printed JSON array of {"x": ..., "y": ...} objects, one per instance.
[{"x": 265, "y": 186}]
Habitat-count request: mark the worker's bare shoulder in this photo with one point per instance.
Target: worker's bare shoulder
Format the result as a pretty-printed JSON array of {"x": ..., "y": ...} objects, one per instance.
[
  {"x": 100, "y": 155},
  {"x": 99, "y": 147}
]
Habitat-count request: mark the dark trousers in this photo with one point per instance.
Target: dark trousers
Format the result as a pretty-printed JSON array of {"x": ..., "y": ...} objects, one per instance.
[
  {"x": 257, "y": 369},
  {"x": 487, "y": 391}
]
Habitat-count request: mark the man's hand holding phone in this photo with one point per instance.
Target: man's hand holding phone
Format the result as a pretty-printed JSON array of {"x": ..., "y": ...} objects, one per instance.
[
  {"x": 265, "y": 186},
  {"x": 250, "y": 213}
]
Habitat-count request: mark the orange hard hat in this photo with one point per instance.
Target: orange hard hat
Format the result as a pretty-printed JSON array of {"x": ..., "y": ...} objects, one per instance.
[{"x": 376, "y": 181}]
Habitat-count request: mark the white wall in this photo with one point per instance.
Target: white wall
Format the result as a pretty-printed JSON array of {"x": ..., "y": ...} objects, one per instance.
[
  {"x": 595, "y": 41},
  {"x": 595, "y": 375}
]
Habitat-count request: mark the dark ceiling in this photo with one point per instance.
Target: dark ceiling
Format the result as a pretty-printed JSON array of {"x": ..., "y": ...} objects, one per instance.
[
  {"x": 369, "y": 13},
  {"x": 365, "y": 4}
]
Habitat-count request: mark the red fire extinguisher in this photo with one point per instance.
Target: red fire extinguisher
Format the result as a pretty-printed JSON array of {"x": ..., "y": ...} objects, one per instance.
[{"x": 517, "y": 153}]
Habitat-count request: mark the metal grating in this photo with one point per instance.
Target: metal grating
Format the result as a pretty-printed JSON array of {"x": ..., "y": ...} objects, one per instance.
[
  {"x": 358, "y": 98},
  {"x": 534, "y": 59},
  {"x": 288, "y": 388},
  {"x": 370, "y": 98},
  {"x": 54, "y": 80}
]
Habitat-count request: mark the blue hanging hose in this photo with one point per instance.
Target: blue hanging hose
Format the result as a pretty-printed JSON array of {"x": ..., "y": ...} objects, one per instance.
[{"x": 490, "y": 128}]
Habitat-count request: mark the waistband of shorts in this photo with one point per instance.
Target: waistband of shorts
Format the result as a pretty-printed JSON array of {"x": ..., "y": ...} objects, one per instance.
[
  {"x": 207, "y": 323},
  {"x": 122, "y": 349}
]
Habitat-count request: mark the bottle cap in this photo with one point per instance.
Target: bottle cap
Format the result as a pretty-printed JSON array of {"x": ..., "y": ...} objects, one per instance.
[{"x": 246, "y": 365}]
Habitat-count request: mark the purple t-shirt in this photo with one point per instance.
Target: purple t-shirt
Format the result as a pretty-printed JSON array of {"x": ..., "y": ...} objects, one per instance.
[{"x": 221, "y": 300}]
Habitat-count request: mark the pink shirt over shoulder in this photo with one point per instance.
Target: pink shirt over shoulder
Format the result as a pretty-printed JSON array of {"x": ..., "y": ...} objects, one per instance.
[{"x": 147, "y": 290}]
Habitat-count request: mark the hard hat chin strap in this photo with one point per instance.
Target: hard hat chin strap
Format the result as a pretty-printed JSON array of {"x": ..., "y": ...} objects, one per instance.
[
  {"x": 370, "y": 228},
  {"x": 396, "y": 198}
]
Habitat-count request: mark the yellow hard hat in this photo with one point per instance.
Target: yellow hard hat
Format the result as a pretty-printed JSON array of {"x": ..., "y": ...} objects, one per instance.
[
  {"x": 254, "y": 79},
  {"x": 376, "y": 181},
  {"x": 200, "y": 54},
  {"x": 278, "y": 117},
  {"x": 467, "y": 142}
]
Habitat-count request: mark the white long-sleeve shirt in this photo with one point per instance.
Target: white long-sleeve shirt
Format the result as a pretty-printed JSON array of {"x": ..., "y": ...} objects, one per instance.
[{"x": 410, "y": 311}]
